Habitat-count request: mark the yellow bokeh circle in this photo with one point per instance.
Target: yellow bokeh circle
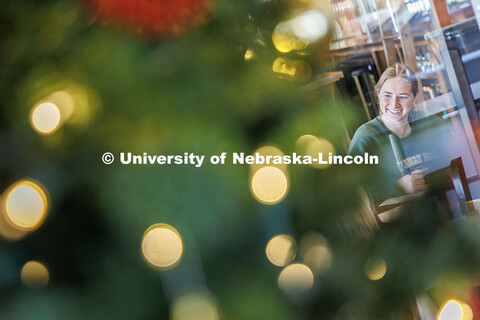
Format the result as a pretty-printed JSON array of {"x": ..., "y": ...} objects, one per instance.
[
  {"x": 375, "y": 268},
  {"x": 269, "y": 185},
  {"x": 281, "y": 250},
  {"x": 26, "y": 205},
  {"x": 45, "y": 118},
  {"x": 162, "y": 246},
  {"x": 296, "y": 277},
  {"x": 35, "y": 274},
  {"x": 194, "y": 305}
]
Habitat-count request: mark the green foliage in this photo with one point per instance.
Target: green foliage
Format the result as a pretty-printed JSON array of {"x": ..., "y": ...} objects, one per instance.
[{"x": 197, "y": 94}]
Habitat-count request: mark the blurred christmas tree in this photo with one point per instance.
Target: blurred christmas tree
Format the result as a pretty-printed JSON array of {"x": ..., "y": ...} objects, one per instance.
[{"x": 181, "y": 242}]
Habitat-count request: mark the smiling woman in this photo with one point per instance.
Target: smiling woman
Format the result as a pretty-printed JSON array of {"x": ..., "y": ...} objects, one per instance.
[
  {"x": 396, "y": 101},
  {"x": 399, "y": 127}
]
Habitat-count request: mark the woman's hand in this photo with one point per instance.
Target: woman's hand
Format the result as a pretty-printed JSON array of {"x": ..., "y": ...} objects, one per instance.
[{"x": 412, "y": 183}]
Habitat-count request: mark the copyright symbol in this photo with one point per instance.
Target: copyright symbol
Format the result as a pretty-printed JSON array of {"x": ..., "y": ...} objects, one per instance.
[{"x": 108, "y": 158}]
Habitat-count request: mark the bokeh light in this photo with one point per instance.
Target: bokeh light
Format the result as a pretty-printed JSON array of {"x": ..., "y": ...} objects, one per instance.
[
  {"x": 303, "y": 141},
  {"x": 285, "y": 40},
  {"x": 310, "y": 26},
  {"x": 249, "y": 54},
  {"x": 26, "y": 205},
  {"x": 452, "y": 310},
  {"x": 316, "y": 252},
  {"x": 467, "y": 312},
  {"x": 455, "y": 310},
  {"x": 312, "y": 146},
  {"x": 375, "y": 268},
  {"x": 269, "y": 185},
  {"x": 281, "y": 250},
  {"x": 297, "y": 71},
  {"x": 279, "y": 66},
  {"x": 57, "y": 100},
  {"x": 34, "y": 274},
  {"x": 296, "y": 278},
  {"x": 162, "y": 246},
  {"x": 300, "y": 31},
  {"x": 45, "y": 118},
  {"x": 86, "y": 102},
  {"x": 194, "y": 305},
  {"x": 64, "y": 102},
  {"x": 268, "y": 151}
]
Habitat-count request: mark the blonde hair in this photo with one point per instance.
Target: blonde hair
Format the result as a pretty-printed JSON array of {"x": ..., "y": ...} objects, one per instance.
[{"x": 398, "y": 71}]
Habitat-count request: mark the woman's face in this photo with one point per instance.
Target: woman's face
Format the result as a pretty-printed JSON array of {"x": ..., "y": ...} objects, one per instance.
[{"x": 396, "y": 100}]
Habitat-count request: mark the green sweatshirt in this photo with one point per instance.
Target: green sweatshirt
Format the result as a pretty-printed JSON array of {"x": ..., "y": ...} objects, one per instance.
[{"x": 423, "y": 149}]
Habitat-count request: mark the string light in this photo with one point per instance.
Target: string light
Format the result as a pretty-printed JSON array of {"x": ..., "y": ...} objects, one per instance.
[
  {"x": 64, "y": 102},
  {"x": 296, "y": 278},
  {"x": 310, "y": 26},
  {"x": 284, "y": 39},
  {"x": 300, "y": 31},
  {"x": 268, "y": 151},
  {"x": 249, "y": 54},
  {"x": 375, "y": 268},
  {"x": 312, "y": 146},
  {"x": 162, "y": 246},
  {"x": 23, "y": 209},
  {"x": 281, "y": 250},
  {"x": 269, "y": 185},
  {"x": 73, "y": 104},
  {"x": 316, "y": 253},
  {"x": 45, "y": 118},
  {"x": 35, "y": 274},
  {"x": 26, "y": 205},
  {"x": 293, "y": 70},
  {"x": 455, "y": 310},
  {"x": 194, "y": 305}
]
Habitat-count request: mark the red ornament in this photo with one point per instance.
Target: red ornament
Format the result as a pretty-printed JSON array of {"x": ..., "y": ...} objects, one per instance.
[{"x": 151, "y": 17}]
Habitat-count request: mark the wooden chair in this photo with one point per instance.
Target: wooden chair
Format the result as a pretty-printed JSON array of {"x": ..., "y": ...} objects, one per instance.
[
  {"x": 446, "y": 179},
  {"x": 460, "y": 184}
]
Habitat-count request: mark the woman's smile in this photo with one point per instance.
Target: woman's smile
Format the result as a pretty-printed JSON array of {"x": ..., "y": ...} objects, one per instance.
[{"x": 395, "y": 111}]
